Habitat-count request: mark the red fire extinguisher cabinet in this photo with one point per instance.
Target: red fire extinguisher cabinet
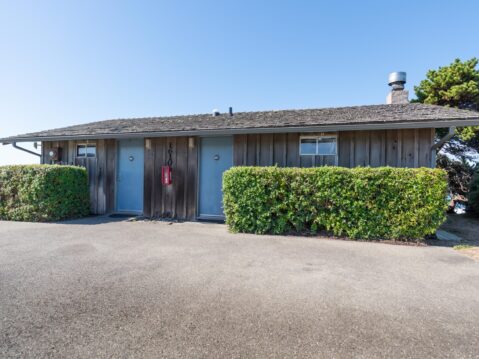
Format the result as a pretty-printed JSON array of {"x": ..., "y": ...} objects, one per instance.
[{"x": 166, "y": 175}]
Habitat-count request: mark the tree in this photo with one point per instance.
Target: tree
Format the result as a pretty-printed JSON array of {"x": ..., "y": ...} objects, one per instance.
[
  {"x": 474, "y": 193},
  {"x": 455, "y": 85}
]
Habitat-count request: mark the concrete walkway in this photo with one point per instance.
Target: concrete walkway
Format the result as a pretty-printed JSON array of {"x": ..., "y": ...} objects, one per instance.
[{"x": 99, "y": 288}]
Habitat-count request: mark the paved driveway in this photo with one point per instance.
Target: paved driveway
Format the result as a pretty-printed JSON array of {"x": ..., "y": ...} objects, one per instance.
[{"x": 97, "y": 288}]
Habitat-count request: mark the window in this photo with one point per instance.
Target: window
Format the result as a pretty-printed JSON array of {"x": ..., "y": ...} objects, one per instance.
[
  {"x": 318, "y": 146},
  {"x": 86, "y": 151}
]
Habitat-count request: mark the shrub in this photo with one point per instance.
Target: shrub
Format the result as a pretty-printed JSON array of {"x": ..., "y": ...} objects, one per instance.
[
  {"x": 473, "y": 200},
  {"x": 43, "y": 193},
  {"x": 368, "y": 203}
]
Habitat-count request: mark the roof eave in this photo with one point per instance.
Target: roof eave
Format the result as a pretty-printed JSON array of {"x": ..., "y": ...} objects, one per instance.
[{"x": 255, "y": 130}]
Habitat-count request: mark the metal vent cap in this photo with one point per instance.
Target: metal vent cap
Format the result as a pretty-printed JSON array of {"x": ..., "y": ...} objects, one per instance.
[{"x": 397, "y": 78}]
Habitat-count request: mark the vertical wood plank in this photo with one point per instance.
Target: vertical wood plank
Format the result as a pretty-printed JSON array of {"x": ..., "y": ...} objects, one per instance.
[
  {"x": 279, "y": 149},
  {"x": 292, "y": 158},
  {"x": 251, "y": 143},
  {"x": 100, "y": 178},
  {"x": 344, "y": 143},
  {"x": 170, "y": 194},
  {"x": 376, "y": 148},
  {"x": 352, "y": 150},
  {"x": 266, "y": 154},
  {"x": 407, "y": 148},
  {"x": 111, "y": 174},
  {"x": 92, "y": 166},
  {"x": 160, "y": 160},
  {"x": 416, "y": 148},
  {"x": 392, "y": 148},
  {"x": 181, "y": 170},
  {"x": 239, "y": 144},
  {"x": 383, "y": 148},
  {"x": 367, "y": 135},
  {"x": 148, "y": 178},
  {"x": 71, "y": 152},
  {"x": 399, "y": 145},
  {"x": 192, "y": 178},
  {"x": 45, "y": 148},
  {"x": 426, "y": 140},
  {"x": 258, "y": 150},
  {"x": 361, "y": 148}
]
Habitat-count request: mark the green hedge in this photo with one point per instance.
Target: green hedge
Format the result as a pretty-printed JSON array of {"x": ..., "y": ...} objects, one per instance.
[
  {"x": 43, "y": 193},
  {"x": 367, "y": 203}
]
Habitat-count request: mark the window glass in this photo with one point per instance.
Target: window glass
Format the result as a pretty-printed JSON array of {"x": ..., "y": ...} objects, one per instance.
[
  {"x": 320, "y": 146},
  {"x": 81, "y": 151},
  {"x": 326, "y": 146},
  {"x": 91, "y": 151},
  {"x": 86, "y": 151},
  {"x": 308, "y": 146}
]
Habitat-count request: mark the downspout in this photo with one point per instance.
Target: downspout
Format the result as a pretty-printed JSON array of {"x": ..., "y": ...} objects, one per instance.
[
  {"x": 438, "y": 145},
  {"x": 14, "y": 145}
]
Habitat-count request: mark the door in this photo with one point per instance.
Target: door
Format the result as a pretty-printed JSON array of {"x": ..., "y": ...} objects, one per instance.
[
  {"x": 129, "y": 188},
  {"x": 216, "y": 156}
]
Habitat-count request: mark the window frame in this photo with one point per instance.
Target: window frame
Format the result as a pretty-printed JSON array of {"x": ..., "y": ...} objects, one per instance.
[
  {"x": 317, "y": 138},
  {"x": 86, "y": 146}
]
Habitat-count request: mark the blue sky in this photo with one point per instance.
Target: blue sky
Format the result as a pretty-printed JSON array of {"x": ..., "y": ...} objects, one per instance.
[{"x": 69, "y": 62}]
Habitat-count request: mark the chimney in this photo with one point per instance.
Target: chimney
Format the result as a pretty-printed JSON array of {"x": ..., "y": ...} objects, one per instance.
[{"x": 398, "y": 94}]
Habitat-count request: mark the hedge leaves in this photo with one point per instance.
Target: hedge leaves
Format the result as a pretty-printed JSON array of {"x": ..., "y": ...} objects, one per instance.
[
  {"x": 368, "y": 203},
  {"x": 42, "y": 193}
]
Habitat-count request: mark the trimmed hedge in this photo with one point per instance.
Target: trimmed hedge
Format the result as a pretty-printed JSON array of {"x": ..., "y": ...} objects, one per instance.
[
  {"x": 366, "y": 203},
  {"x": 43, "y": 193}
]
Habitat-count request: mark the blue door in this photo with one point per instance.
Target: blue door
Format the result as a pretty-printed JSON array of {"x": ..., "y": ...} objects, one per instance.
[
  {"x": 129, "y": 188},
  {"x": 216, "y": 156}
]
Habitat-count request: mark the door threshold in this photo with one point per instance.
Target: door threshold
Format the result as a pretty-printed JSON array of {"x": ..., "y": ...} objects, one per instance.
[
  {"x": 124, "y": 215},
  {"x": 210, "y": 218}
]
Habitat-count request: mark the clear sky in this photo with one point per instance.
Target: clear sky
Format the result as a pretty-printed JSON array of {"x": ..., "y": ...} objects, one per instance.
[{"x": 69, "y": 62}]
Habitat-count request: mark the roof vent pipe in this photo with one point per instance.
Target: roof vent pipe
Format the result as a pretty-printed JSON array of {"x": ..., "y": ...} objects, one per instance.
[
  {"x": 231, "y": 111},
  {"x": 397, "y": 80}
]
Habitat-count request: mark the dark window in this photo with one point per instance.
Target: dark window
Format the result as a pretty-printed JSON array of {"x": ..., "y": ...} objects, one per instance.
[{"x": 86, "y": 151}]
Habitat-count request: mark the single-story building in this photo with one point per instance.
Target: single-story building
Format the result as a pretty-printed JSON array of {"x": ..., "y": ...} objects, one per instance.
[{"x": 124, "y": 157}]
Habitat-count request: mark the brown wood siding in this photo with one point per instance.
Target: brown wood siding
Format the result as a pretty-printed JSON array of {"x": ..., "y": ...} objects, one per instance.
[
  {"x": 177, "y": 200},
  {"x": 101, "y": 170},
  {"x": 395, "y": 148}
]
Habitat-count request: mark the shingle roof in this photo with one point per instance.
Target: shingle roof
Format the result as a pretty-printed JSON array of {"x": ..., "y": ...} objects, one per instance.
[{"x": 373, "y": 116}]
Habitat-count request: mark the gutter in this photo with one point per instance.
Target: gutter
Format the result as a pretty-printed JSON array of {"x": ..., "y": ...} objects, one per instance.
[
  {"x": 438, "y": 145},
  {"x": 14, "y": 145}
]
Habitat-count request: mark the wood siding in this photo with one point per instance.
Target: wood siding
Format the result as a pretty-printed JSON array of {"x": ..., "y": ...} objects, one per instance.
[
  {"x": 395, "y": 148},
  {"x": 179, "y": 199},
  {"x": 101, "y": 170}
]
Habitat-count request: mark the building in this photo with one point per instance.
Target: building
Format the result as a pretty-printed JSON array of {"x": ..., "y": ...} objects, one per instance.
[{"x": 124, "y": 157}]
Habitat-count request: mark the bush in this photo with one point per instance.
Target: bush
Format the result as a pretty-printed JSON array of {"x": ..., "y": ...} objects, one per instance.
[
  {"x": 368, "y": 203},
  {"x": 473, "y": 200},
  {"x": 43, "y": 193}
]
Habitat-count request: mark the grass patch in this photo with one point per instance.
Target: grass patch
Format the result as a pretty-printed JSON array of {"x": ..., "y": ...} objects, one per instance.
[{"x": 462, "y": 246}]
